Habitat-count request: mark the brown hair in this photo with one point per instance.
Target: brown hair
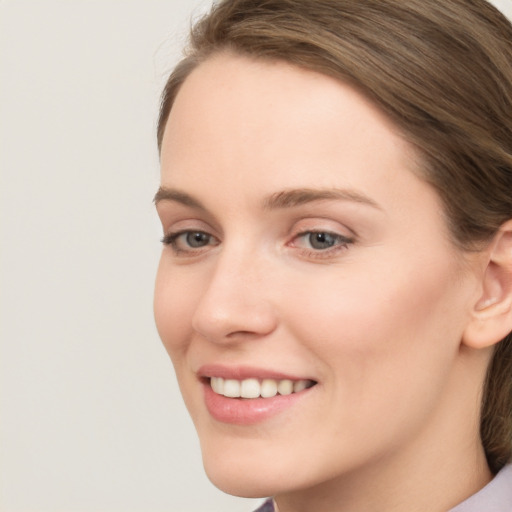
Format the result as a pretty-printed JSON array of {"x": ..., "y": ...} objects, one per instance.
[{"x": 441, "y": 70}]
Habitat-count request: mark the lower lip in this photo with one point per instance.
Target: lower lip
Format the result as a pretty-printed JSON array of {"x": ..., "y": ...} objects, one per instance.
[{"x": 248, "y": 411}]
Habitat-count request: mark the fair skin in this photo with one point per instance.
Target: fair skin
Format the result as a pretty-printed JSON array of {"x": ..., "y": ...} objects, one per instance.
[{"x": 360, "y": 293}]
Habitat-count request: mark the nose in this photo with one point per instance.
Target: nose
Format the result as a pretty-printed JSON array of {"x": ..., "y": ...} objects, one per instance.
[{"x": 236, "y": 303}]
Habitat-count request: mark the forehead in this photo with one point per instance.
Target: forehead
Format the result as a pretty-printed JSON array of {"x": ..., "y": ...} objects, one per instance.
[
  {"x": 257, "y": 115},
  {"x": 263, "y": 94}
]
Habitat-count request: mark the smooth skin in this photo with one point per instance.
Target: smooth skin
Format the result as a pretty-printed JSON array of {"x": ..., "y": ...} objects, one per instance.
[{"x": 365, "y": 293}]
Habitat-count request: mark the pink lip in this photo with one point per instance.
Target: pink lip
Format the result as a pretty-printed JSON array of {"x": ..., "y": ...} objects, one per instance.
[
  {"x": 241, "y": 411},
  {"x": 244, "y": 372}
]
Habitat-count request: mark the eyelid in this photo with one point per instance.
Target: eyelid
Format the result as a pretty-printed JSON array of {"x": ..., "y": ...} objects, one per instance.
[
  {"x": 175, "y": 216},
  {"x": 325, "y": 221},
  {"x": 326, "y": 232}
]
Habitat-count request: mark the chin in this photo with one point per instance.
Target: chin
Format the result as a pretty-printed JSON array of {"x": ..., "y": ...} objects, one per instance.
[
  {"x": 241, "y": 486},
  {"x": 241, "y": 476},
  {"x": 247, "y": 473},
  {"x": 242, "y": 482}
]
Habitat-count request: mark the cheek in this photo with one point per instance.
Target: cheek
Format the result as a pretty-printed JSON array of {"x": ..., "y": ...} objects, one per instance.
[
  {"x": 384, "y": 336},
  {"x": 173, "y": 308}
]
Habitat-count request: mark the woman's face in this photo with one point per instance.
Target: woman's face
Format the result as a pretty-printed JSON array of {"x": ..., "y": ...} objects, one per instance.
[{"x": 302, "y": 247}]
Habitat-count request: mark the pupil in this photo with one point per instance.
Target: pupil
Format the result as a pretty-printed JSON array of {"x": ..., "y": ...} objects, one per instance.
[
  {"x": 197, "y": 239},
  {"x": 322, "y": 240}
]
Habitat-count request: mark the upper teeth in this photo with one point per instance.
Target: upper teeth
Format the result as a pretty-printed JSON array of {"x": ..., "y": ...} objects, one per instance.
[{"x": 254, "y": 388}]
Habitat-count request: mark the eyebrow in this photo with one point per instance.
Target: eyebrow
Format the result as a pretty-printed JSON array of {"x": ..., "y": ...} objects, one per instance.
[
  {"x": 298, "y": 197},
  {"x": 170, "y": 194},
  {"x": 279, "y": 200}
]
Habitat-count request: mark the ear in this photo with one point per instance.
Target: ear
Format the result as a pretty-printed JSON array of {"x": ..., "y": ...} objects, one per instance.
[{"x": 492, "y": 314}]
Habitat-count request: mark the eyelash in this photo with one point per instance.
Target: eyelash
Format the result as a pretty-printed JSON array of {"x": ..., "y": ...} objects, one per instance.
[
  {"x": 172, "y": 240},
  {"x": 340, "y": 243}
]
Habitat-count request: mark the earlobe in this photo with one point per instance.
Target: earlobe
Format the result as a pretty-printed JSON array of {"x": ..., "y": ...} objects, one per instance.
[{"x": 492, "y": 314}]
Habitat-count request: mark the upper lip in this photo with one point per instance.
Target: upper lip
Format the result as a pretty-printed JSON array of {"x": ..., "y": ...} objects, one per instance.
[{"x": 244, "y": 372}]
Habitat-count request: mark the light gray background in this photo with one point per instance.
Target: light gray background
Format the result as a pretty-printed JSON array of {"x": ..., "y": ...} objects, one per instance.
[{"x": 90, "y": 415}]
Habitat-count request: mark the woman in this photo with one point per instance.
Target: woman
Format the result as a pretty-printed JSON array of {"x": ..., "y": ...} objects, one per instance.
[{"x": 335, "y": 288}]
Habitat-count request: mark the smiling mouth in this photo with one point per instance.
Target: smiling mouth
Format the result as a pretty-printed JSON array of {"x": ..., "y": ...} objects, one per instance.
[{"x": 256, "y": 388}]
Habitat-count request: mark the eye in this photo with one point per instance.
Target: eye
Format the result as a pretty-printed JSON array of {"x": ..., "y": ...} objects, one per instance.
[
  {"x": 196, "y": 239},
  {"x": 189, "y": 241},
  {"x": 320, "y": 240},
  {"x": 326, "y": 242}
]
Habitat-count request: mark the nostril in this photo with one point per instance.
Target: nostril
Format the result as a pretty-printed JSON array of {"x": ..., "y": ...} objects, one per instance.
[{"x": 244, "y": 335}]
